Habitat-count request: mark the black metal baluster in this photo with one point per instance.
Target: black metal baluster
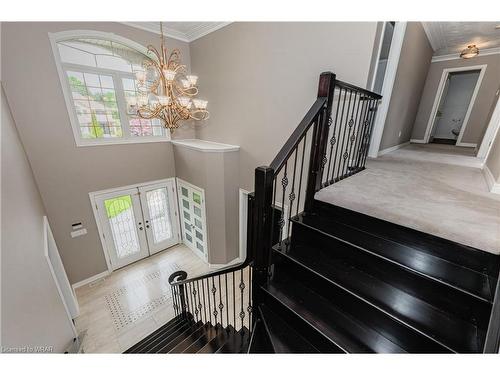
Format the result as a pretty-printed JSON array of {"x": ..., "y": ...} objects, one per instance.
[
  {"x": 352, "y": 137},
  {"x": 273, "y": 206},
  {"x": 200, "y": 305},
  {"x": 350, "y": 124},
  {"x": 291, "y": 196},
  {"x": 250, "y": 307},
  {"x": 335, "y": 163},
  {"x": 209, "y": 305},
  {"x": 227, "y": 303},
  {"x": 221, "y": 305},
  {"x": 333, "y": 139},
  {"x": 301, "y": 170},
  {"x": 196, "y": 310},
  {"x": 242, "y": 288},
  {"x": 366, "y": 131},
  {"x": 373, "y": 113},
  {"x": 361, "y": 133},
  {"x": 284, "y": 184},
  {"x": 190, "y": 297},
  {"x": 214, "y": 290},
  {"x": 234, "y": 302}
]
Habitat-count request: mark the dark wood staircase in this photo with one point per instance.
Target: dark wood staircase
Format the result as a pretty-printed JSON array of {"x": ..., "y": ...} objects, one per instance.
[
  {"x": 185, "y": 335},
  {"x": 320, "y": 278},
  {"x": 347, "y": 282}
]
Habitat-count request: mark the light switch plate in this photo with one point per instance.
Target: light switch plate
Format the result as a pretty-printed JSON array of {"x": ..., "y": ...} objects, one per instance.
[{"x": 77, "y": 233}]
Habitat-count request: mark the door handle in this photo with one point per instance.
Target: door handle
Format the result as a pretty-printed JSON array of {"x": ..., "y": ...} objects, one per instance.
[
  {"x": 140, "y": 228},
  {"x": 147, "y": 225}
]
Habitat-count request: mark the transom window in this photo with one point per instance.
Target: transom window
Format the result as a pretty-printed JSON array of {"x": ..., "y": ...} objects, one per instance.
[{"x": 97, "y": 73}]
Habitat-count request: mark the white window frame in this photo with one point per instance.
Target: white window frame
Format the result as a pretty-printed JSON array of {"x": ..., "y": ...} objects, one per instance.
[{"x": 117, "y": 76}]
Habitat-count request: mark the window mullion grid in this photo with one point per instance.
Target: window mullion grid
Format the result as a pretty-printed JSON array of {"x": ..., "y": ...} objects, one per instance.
[{"x": 122, "y": 105}]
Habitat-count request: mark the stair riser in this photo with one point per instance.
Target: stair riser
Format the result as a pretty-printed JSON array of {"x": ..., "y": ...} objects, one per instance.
[
  {"x": 391, "y": 328},
  {"x": 468, "y": 307},
  {"x": 312, "y": 335},
  {"x": 480, "y": 261}
]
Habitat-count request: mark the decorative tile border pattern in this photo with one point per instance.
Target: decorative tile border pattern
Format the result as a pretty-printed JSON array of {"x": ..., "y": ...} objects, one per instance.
[{"x": 122, "y": 316}]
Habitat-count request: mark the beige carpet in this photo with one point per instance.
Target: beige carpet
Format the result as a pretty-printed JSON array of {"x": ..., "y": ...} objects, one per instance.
[{"x": 446, "y": 200}]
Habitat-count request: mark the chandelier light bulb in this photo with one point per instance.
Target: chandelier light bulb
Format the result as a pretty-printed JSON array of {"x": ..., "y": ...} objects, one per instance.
[
  {"x": 169, "y": 74},
  {"x": 185, "y": 83},
  {"x": 140, "y": 75},
  {"x": 142, "y": 100},
  {"x": 200, "y": 104},
  {"x": 184, "y": 101},
  {"x": 192, "y": 79}
]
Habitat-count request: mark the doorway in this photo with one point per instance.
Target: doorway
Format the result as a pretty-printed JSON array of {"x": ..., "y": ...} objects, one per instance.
[
  {"x": 453, "y": 106},
  {"x": 137, "y": 221},
  {"x": 453, "y": 103}
]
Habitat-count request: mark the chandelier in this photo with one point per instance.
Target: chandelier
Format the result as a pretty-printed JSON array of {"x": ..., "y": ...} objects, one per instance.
[
  {"x": 470, "y": 52},
  {"x": 166, "y": 92}
]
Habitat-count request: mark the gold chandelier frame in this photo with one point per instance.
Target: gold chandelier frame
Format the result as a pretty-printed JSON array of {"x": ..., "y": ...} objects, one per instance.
[{"x": 172, "y": 89}]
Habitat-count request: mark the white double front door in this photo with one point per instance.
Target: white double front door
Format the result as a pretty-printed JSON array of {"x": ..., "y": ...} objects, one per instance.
[{"x": 138, "y": 222}]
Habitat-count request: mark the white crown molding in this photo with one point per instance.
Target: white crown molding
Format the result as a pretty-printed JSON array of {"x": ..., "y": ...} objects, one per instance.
[
  {"x": 456, "y": 56},
  {"x": 195, "y": 33}
]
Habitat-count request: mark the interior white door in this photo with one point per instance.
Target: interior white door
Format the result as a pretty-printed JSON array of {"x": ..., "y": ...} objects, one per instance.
[
  {"x": 193, "y": 217},
  {"x": 122, "y": 224},
  {"x": 159, "y": 209}
]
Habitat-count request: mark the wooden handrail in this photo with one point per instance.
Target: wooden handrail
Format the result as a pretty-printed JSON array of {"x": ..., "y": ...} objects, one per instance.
[{"x": 297, "y": 135}]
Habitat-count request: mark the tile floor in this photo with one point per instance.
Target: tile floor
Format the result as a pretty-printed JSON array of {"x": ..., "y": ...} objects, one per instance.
[{"x": 118, "y": 311}]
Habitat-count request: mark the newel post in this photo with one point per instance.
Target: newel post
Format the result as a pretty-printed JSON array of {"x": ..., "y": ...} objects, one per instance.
[
  {"x": 261, "y": 233},
  {"x": 319, "y": 142}
]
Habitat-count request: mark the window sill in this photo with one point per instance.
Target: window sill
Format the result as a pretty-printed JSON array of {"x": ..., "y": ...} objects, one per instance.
[{"x": 126, "y": 141}]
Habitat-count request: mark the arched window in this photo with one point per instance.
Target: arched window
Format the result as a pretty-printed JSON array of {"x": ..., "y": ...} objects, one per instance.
[{"x": 97, "y": 76}]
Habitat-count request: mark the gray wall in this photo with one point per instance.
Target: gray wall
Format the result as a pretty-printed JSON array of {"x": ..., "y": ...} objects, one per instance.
[
  {"x": 217, "y": 174},
  {"x": 493, "y": 161},
  {"x": 414, "y": 62},
  {"x": 261, "y": 78},
  {"x": 65, "y": 174},
  {"x": 484, "y": 100},
  {"x": 32, "y": 310}
]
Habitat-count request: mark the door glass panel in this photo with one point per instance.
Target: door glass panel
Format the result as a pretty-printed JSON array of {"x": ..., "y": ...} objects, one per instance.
[
  {"x": 187, "y": 227},
  {"x": 159, "y": 214},
  {"x": 197, "y": 198},
  {"x": 185, "y": 203},
  {"x": 184, "y": 192},
  {"x": 197, "y": 223},
  {"x": 122, "y": 222},
  {"x": 199, "y": 235},
  {"x": 197, "y": 211},
  {"x": 187, "y": 216},
  {"x": 199, "y": 246},
  {"x": 189, "y": 238}
]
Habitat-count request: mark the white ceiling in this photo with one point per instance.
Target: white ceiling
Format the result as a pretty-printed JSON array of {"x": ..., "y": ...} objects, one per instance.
[
  {"x": 185, "y": 31},
  {"x": 452, "y": 37}
]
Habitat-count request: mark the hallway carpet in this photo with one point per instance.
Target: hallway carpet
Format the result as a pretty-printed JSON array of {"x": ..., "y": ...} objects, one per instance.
[{"x": 445, "y": 200}]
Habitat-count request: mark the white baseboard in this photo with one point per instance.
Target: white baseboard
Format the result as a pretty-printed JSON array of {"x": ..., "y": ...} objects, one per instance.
[
  {"x": 90, "y": 279},
  {"x": 393, "y": 148},
  {"x": 462, "y": 144},
  {"x": 417, "y": 141},
  {"x": 493, "y": 186},
  {"x": 231, "y": 263}
]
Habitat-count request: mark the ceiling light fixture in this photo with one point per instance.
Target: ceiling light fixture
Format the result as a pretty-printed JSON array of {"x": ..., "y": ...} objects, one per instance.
[
  {"x": 470, "y": 52},
  {"x": 166, "y": 91}
]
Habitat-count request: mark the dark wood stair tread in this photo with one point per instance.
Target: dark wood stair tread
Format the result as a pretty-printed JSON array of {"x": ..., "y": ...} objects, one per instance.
[
  {"x": 439, "y": 269},
  {"x": 444, "y": 328},
  {"x": 469, "y": 257},
  {"x": 348, "y": 333},
  {"x": 283, "y": 338},
  {"x": 152, "y": 339},
  {"x": 237, "y": 341},
  {"x": 217, "y": 342}
]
